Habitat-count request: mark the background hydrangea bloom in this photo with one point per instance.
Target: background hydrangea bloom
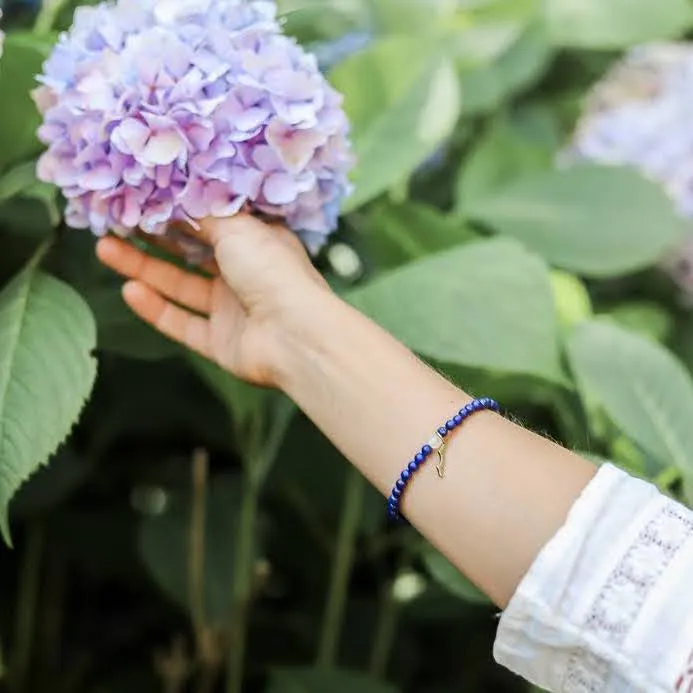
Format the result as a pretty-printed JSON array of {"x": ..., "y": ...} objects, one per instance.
[
  {"x": 173, "y": 110},
  {"x": 641, "y": 114}
]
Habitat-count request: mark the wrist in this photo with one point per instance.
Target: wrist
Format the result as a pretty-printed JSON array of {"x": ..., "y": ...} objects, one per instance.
[{"x": 299, "y": 332}]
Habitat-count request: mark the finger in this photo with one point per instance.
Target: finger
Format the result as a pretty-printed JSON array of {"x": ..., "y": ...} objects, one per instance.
[
  {"x": 172, "y": 247},
  {"x": 183, "y": 287},
  {"x": 176, "y": 323}
]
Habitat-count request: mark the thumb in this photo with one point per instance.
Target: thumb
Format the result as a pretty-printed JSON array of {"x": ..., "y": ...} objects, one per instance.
[{"x": 213, "y": 229}]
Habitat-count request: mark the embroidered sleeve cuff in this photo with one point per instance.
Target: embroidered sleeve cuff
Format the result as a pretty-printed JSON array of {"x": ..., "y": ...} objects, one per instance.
[{"x": 595, "y": 611}]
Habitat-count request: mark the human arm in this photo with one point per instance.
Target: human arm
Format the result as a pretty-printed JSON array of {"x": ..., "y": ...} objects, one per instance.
[
  {"x": 514, "y": 509},
  {"x": 507, "y": 490}
]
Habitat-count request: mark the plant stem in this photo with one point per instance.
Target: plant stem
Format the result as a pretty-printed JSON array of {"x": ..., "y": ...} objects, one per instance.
[
  {"x": 196, "y": 548},
  {"x": 50, "y": 9},
  {"x": 384, "y": 632},
  {"x": 386, "y": 625},
  {"x": 25, "y": 616},
  {"x": 242, "y": 582},
  {"x": 341, "y": 570}
]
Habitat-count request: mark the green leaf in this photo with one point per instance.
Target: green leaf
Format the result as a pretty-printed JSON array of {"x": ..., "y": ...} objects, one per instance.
[
  {"x": 244, "y": 402},
  {"x": 22, "y": 59},
  {"x": 642, "y": 387},
  {"x": 412, "y": 16},
  {"x": 164, "y": 546},
  {"x": 573, "y": 302},
  {"x": 486, "y": 304},
  {"x": 596, "y": 221},
  {"x": 505, "y": 152},
  {"x": 119, "y": 329},
  {"x": 648, "y": 319},
  {"x": 521, "y": 64},
  {"x": 400, "y": 117},
  {"x": 301, "y": 680},
  {"x": 398, "y": 233},
  {"x": 47, "y": 371},
  {"x": 445, "y": 574},
  {"x": 611, "y": 24}
]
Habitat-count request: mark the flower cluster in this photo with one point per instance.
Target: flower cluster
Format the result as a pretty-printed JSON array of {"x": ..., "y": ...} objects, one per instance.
[
  {"x": 158, "y": 111},
  {"x": 641, "y": 114}
]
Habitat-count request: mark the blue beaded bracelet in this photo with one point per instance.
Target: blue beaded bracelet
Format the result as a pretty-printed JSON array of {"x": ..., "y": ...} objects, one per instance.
[{"x": 435, "y": 444}]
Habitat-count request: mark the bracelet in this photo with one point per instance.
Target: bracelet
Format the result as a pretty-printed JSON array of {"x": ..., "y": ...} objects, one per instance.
[{"x": 435, "y": 444}]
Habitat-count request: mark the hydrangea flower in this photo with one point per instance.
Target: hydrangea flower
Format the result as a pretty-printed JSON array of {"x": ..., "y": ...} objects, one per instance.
[
  {"x": 160, "y": 111},
  {"x": 641, "y": 114}
]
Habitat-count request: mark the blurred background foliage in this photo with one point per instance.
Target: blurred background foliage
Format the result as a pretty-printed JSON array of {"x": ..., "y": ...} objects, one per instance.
[{"x": 190, "y": 525}]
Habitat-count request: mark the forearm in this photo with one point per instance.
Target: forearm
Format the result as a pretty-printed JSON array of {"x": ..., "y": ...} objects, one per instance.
[{"x": 506, "y": 492}]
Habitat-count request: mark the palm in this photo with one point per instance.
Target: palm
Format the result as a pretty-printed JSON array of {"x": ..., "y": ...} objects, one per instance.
[
  {"x": 234, "y": 339},
  {"x": 225, "y": 316},
  {"x": 202, "y": 313}
]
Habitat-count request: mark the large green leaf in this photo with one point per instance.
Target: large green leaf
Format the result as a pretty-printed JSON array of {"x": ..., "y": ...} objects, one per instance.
[
  {"x": 19, "y": 119},
  {"x": 445, "y": 574},
  {"x": 505, "y": 152},
  {"x": 47, "y": 371},
  {"x": 642, "y": 387},
  {"x": 518, "y": 65},
  {"x": 400, "y": 116},
  {"x": 321, "y": 681},
  {"x": 398, "y": 233},
  {"x": 412, "y": 16},
  {"x": 164, "y": 544},
  {"x": 596, "y": 221},
  {"x": 485, "y": 304},
  {"x": 615, "y": 23}
]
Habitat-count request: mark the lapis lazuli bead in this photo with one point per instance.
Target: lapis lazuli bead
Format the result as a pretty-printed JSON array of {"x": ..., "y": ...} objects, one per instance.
[{"x": 434, "y": 443}]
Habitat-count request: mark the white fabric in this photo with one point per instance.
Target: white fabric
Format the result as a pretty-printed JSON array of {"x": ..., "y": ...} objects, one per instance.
[{"x": 607, "y": 607}]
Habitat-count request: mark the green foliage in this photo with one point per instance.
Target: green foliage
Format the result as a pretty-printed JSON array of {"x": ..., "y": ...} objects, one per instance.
[
  {"x": 516, "y": 275},
  {"x": 617, "y": 23},
  {"x": 47, "y": 371},
  {"x": 164, "y": 544},
  {"x": 22, "y": 59},
  {"x": 399, "y": 117},
  {"x": 453, "y": 307},
  {"x": 596, "y": 221},
  {"x": 642, "y": 387},
  {"x": 317, "y": 681}
]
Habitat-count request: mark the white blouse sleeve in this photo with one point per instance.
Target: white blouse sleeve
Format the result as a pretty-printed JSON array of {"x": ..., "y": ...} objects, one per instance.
[{"x": 607, "y": 607}]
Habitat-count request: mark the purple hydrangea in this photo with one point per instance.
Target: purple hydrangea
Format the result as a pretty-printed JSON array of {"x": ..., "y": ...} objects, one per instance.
[
  {"x": 158, "y": 111},
  {"x": 641, "y": 114}
]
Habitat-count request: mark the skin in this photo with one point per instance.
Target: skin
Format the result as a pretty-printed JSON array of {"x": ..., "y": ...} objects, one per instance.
[{"x": 267, "y": 316}]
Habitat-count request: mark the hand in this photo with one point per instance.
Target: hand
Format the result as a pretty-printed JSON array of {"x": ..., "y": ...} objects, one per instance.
[{"x": 263, "y": 281}]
